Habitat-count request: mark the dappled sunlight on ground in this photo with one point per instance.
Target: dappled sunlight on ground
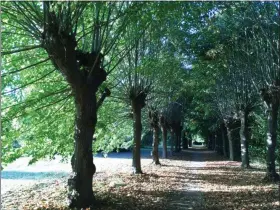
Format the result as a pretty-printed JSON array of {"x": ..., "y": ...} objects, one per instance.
[
  {"x": 194, "y": 179},
  {"x": 226, "y": 186}
]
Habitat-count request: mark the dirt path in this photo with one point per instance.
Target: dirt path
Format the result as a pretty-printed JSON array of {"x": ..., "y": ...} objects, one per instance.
[{"x": 192, "y": 196}]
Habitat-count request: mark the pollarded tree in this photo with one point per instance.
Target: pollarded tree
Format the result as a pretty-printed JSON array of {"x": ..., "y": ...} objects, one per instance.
[
  {"x": 80, "y": 40},
  {"x": 236, "y": 84},
  {"x": 244, "y": 94},
  {"x": 135, "y": 81},
  {"x": 174, "y": 117},
  {"x": 154, "y": 122},
  {"x": 167, "y": 87},
  {"x": 224, "y": 106},
  {"x": 258, "y": 25},
  {"x": 257, "y": 56},
  {"x": 265, "y": 46}
]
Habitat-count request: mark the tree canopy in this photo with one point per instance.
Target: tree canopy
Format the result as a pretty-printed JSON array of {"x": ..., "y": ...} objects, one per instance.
[{"x": 86, "y": 77}]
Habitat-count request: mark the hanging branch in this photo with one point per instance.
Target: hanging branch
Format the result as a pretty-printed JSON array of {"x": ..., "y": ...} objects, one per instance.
[
  {"x": 21, "y": 50},
  {"x": 29, "y": 103},
  {"x": 27, "y": 67},
  {"x": 30, "y": 83}
]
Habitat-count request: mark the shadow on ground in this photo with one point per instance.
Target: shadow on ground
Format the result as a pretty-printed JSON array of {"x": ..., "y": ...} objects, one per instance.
[{"x": 184, "y": 184}]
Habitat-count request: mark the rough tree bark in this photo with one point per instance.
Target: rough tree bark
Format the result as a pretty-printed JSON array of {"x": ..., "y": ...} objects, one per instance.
[
  {"x": 84, "y": 74},
  {"x": 172, "y": 141},
  {"x": 180, "y": 138},
  {"x": 177, "y": 141},
  {"x": 214, "y": 140},
  {"x": 244, "y": 139},
  {"x": 209, "y": 143},
  {"x": 272, "y": 113},
  {"x": 164, "y": 142},
  {"x": 271, "y": 105},
  {"x": 137, "y": 130},
  {"x": 154, "y": 121},
  {"x": 230, "y": 140},
  {"x": 163, "y": 125},
  {"x": 224, "y": 140},
  {"x": 177, "y": 137},
  {"x": 80, "y": 184},
  {"x": 155, "y": 145},
  {"x": 185, "y": 140}
]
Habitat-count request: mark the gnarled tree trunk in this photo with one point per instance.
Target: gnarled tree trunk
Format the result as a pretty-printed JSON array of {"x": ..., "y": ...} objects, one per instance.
[
  {"x": 137, "y": 130},
  {"x": 154, "y": 121},
  {"x": 244, "y": 139},
  {"x": 271, "y": 104},
  {"x": 84, "y": 74},
  {"x": 80, "y": 183},
  {"x": 80, "y": 191},
  {"x": 272, "y": 115},
  {"x": 155, "y": 145}
]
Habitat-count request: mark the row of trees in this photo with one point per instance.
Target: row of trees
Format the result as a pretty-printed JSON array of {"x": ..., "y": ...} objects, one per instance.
[
  {"x": 61, "y": 60},
  {"x": 244, "y": 59},
  {"x": 158, "y": 65}
]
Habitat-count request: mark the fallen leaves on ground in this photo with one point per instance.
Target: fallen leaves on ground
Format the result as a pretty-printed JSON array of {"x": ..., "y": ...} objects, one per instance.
[
  {"x": 210, "y": 183},
  {"x": 225, "y": 185}
]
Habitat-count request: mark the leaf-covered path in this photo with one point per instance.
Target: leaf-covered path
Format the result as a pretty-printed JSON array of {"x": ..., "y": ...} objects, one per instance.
[
  {"x": 191, "y": 196},
  {"x": 192, "y": 179}
]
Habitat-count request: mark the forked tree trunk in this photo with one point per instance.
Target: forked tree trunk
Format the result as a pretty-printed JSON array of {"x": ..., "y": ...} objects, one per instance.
[
  {"x": 224, "y": 140},
  {"x": 164, "y": 141},
  {"x": 80, "y": 191},
  {"x": 155, "y": 145},
  {"x": 230, "y": 141},
  {"x": 137, "y": 130},
  {"x": 272, "y": 115},
  {"x": 244, "y": 139}
]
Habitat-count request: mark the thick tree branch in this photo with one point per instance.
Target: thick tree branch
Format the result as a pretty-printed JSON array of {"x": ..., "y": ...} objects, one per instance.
[{"x": 105, "y": 94}]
